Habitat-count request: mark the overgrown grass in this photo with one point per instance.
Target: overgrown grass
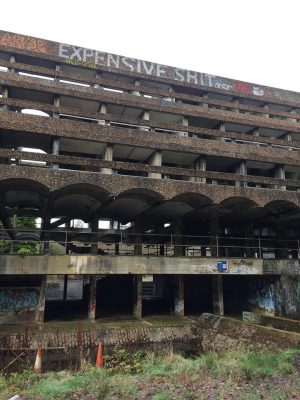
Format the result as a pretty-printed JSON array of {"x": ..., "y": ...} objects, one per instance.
[{"x": 120, "y": 382}]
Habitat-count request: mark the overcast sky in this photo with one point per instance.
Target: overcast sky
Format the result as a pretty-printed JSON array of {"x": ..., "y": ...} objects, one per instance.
[{"x": 252, "y": 40}]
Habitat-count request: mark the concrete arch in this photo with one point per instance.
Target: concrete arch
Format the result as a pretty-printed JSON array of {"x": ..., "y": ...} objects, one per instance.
[
  {"x": 239, "y": 201},
  {"x": 147, "y": 195},
  {"x": 194, "y": 199},
  {"x": 282, "y": 204},
  {"x": 80, "y": 201}
]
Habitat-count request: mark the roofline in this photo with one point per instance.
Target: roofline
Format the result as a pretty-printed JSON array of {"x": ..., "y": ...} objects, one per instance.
[{"x": 72, "y": 54}]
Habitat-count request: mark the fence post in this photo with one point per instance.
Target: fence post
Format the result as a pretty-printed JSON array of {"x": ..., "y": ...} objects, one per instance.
[{"x": 259, "y": 246}]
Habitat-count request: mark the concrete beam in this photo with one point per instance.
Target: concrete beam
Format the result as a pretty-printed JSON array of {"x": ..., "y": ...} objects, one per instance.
[{"x": 139, "y": 265}]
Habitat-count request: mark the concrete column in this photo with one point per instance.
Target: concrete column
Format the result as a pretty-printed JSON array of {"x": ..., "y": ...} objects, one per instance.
[
  {"x": 137, "y": 296},
  {"x": 200, "y": 165},
  {"x": 155, "y": 160},
  {"x": 241, "y": 169},
  {"x": 58, "y": 69},
  {"x": 97, "y": 85},
  {"x": 12, "y": 60},
  {"x": 55, "y": 150},
  {"x": 56, "y": 103},
  {"x": 145, "y": 117},
  {"x": 266, "y": 107},
  {"x": 136, "y": 92},
  {"x": 205, "y": 96},
  {"x": 282, "y": 242},
  {"x": 217, "y": 291},
  {"x": 249, "y": 242},
  {"x": 92, "y": 298},
  {"x": 94, "y": 236},
  {"x": 222, "y": 128},
  {"x": 177, "y": 238},
  {"x": 292, "y": 119},
  {"x": 214, "y": 236},
  {"x": 5, "y": 95},
  {"x": 287, "y": 136},
  {"x": 185, "y": 122},
  {"x": 103, "y": 110},
  {"x": 107, "y": 155},
  {"x": 279, "y": 173},
  {"x": 171, "y": 90},
  {"x": 256, "y": 132},
  {"x": 236, "y": 102},
  {"x": 45, "y": 235},
  {"x": 40, "y": 309},
  {"x": 138, "y": 230},
  {"x": 179, "y": 296}
]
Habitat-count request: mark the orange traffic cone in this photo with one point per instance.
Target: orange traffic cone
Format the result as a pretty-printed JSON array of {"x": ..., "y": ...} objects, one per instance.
[
  {"x": 99, "y": 360},
  {"x": 38, "y": 361}
]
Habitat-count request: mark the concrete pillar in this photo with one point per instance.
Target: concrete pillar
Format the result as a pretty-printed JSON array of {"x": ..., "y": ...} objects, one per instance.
[
  {"x": 92, "y": 298},
  {"x": 107, "y": 155},
  {"x": 145, "y": 117},
  {"x": 292, "y": 119},
  {"x": 200, "y": 165},
  {"x": 137, "y": 296},
  {"x": 177, "y": 238},
  {"x": 287, "y": 136},
  {"x": 5, "y": 95},
  {"x": 136, "y": 92},
  {"x": 241, "y": 169},
  {"x": 94, "y": 236},
  {"x": 46, "y": 235},
  {"x": 40, "y": 309},
  {"x": 266, "y": 107},
  {"x": 179, "y": 296},
  {"x": 103, "y": 110},
  {"x": 217, "y": 291},
  {"x": 236, "y": 103},
  {"x": 185, "y": 122},
  {"x": 281, "y": 242},
  {"x": 205, "y": 96},
  {"x": 214, "y": 236},
  {"x": 12, "y": 60},
  {"x": 97, "y": 85},
  {"x": 138, "y": 230},
  {"x": 279, "y": 173},
  {"x": 155, "y": 160},
  {"x": 256, "y": 132},
  {"x": 56, "y": 103},
  {"x": 58, "y": 68},
  {"x": 249, "y": 242},
  {"x": 55, "y": 150}
]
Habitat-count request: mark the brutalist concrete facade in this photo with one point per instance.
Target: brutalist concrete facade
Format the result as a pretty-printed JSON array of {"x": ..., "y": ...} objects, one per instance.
[{"x": 156, "y": 189}]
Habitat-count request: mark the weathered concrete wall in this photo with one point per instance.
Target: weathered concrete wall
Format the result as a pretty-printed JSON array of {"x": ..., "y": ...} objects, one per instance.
[
  {"x": 263, "y": 295},
  {"x": 88, "y": 264},
  {"x": 111, "y": 62},
  {"x": 18, "y": 304}
]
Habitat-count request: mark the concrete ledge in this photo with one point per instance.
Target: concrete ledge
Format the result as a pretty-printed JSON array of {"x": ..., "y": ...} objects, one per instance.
[{"x": 141, "y": 265}]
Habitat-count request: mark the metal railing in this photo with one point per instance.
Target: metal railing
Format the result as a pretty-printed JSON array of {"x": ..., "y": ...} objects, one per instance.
[{"x": 120, "y": 242}]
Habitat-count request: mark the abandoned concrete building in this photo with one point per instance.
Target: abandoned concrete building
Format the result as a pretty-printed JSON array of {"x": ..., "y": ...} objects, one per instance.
[{"x": 154, "y": 190}]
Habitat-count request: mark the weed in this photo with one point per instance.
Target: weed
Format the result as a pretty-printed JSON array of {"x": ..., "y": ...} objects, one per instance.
[{"x": 161, "y": 396}]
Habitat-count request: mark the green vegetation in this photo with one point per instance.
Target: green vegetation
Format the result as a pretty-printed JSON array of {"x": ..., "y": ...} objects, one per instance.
[
  {"x": 20, "y": 247},
  {"x": 243, "y": 375}
]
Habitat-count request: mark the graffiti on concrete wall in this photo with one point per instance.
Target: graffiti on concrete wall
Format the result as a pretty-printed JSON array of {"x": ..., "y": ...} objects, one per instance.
[
  {"x": 15, "y": 300},
  {"x": 290, "y": 296},
  {"x": 93, "y": 59},
  {"x": 262, "y": 296}
]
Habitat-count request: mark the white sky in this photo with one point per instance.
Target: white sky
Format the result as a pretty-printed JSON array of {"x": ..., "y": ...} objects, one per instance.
[{"x": 251, "y": 40}]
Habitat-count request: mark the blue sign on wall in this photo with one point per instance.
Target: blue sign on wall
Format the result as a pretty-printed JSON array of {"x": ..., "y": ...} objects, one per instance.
[{"x": 222, "y": 266}]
